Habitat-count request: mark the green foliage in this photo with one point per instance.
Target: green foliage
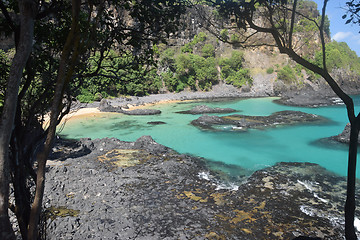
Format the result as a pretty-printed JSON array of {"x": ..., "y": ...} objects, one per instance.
[
  {"x": 287, "y": 74},
  {"x": 129, "y": 78},
  {"x": 201, "y": 37},
  {"x": 234, "y": 38},
  {"x": 191, "y": 71},
  {"x": 188, "y": 47},
  {"x": 224, "y": 34},
  {"x": 167, "y": 59},
  {"x": 270, "y": 70},
  {"x": 208, "y": 51},
  {"x": 240, "y": 78},
  {"x": 232, "y": 70},
  {"x": 339, "y": 55}
]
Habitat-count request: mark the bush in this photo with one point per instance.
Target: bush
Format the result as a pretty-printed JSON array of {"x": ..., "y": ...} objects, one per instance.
[
  {"x": 270, "y": 70},
  {"x": 208, "y": 51},
  {"x": 224, "y": 34},
  {"x": 286, "y": 74},
  {"x": 240, "y": 78},
  {"x": 232, "y": 70}
]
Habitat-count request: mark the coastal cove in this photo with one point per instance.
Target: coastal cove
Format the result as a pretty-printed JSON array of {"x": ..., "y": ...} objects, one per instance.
[{"x": 237, "y": 153}]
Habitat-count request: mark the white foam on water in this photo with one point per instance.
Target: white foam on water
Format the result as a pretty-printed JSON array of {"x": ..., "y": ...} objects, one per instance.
[
  {"x": 230, "y": 186},
  {"x": 219, "y": 186},
  {"x": 204, "y": 175}
]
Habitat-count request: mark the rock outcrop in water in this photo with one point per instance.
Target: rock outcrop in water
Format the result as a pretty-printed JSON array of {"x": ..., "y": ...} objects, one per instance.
[
  {"x": 344, "y": 136},
  {"x": 144, "y": 190},
  {"x": 243, "y": 122},
  {"x": 201, "y": 109}
]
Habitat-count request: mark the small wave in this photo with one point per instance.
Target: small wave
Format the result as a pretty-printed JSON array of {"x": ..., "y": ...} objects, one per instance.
[
  {"x": 229, "y": 186},
  {"x": 219, "y": 185},
  {"x": 336, "y": 221},
  {"x": 310, "y": 186},
  {"x": 204, "y": 175}
]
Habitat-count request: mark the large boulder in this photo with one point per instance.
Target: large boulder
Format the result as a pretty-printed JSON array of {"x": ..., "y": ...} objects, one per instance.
[{"x": 105, "y": 106}]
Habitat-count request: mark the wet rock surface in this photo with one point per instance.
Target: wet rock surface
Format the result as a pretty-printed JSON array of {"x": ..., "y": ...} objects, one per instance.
[
  {"x": 143, "y": 190},
  {"x": 344, "y": 136},
  {"x": 201, "y": 109},
  {"x": 243, "y": 122}
]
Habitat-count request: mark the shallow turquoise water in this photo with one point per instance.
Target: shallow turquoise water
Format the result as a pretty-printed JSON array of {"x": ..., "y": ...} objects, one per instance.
[{"x": 249, "y": 151}]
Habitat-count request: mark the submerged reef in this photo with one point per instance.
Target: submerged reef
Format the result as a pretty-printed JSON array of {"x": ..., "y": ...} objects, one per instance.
[{"x": 144, "y": 190}]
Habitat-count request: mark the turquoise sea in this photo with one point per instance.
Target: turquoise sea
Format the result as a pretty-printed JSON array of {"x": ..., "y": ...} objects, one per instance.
[{"x": 233, "y": 151}]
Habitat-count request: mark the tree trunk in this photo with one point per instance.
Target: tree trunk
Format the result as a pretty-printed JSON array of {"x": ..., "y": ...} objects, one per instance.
[
  {"x": 27, "y": 14},
  {"x": 351, "y": 180},
  {"x": 64, "y": 75}
]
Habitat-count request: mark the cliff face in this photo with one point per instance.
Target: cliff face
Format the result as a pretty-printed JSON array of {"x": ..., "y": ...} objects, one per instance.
[{"x": 267, "y": 66}]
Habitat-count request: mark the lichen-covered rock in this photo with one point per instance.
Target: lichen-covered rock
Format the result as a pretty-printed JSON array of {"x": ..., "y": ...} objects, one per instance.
[{"x": 131, "y": 190}]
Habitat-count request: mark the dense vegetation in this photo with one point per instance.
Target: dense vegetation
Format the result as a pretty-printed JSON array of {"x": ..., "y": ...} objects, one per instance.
[{"x": 193, "y": 66}]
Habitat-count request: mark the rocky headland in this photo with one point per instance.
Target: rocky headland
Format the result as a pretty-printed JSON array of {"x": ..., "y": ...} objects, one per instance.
[{"x": 110, "y": 189}]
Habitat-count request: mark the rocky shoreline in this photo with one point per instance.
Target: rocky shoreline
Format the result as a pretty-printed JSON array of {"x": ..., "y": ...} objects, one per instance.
[
  {"x": 306, "y": 97},
  {"x": 110, "y": 189}
]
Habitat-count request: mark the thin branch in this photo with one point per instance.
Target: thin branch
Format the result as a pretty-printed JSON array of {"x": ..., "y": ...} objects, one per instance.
[
  {"x": 322, "y": 34},
  {"x": 292, "y": 23}
]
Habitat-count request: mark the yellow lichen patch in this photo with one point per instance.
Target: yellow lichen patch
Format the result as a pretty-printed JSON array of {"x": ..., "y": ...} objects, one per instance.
[
  {"x": 214, "y": 235},
  {"x": 223, "y": 217},
  {"x": 192, "y": 196},
  {"x": 248, "y": 231},
  {"x": 278, "y": 234},
  {"x": 268, "y": 182},
  {"x": 219, "y": 198},
  {"x": 70, "y": 195},
  {"x": 242, "y": 216},
  {"x": 54, "y": 212},
  {"x": 262, "y": 206},
  {"x": 121, "y": 158}
]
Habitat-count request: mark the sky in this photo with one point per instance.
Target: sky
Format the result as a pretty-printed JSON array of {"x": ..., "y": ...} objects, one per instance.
[{"x": 340, "y": 31}]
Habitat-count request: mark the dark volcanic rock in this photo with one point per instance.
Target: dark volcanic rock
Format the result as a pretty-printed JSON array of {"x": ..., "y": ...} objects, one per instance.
[
  {"x": 201, "y": 109},
  {"x": 141, "y": 112},
  {"x": 344, "y": 137},
  {"x": 243, "y": 122},
  {"x": 156, "y": 122},
  {"x": 105, "y": 106},
  {"x": 143, "y": 190},
  {"x": 308, "y": 97}
]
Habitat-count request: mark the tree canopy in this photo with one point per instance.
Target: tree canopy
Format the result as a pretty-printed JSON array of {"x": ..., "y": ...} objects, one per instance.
[{"x": 57, "y": 43}]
